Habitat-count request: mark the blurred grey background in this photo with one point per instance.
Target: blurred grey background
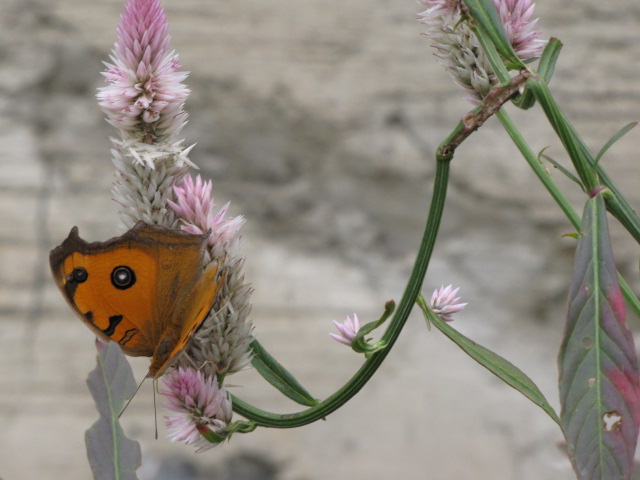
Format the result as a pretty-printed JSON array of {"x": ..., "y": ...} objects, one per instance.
[{"x": 318, "y": 121}]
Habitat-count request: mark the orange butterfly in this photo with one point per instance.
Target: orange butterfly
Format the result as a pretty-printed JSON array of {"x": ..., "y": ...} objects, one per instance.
[{"x": 146, "y": 290}]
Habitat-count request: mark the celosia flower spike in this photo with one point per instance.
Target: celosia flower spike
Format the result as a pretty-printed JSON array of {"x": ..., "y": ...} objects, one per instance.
[
  {"x": 195, "y": 206},
  {"x": 458, "y": 49},
  {"x": 144, "y": 100},
  {"x": 444, "y": 302},
  {"x": 521, "y": 30},
  {"x": 348, "y": 330},
  {"x": 199, "y": 405},
  {"x": 221, "y": 345},
  {"x": 145, "y": 95}
]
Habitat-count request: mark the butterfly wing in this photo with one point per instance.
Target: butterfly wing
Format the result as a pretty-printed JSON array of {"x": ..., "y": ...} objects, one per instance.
[
  {"x": 113, "y": 313},
  {"x": 126, "y": 289},
  {"x": 190, "y": 313}
]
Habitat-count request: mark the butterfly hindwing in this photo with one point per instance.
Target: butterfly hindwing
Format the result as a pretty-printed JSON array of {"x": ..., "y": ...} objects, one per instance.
[{"x": 193, "y": 311}]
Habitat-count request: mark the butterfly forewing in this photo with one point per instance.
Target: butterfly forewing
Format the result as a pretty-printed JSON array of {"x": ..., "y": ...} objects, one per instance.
[{"x": 115, "y": 297}]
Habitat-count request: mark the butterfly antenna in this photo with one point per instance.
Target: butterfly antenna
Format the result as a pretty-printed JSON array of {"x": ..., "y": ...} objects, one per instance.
[
  {"x": 155, "y": 410},
  {"x": 134, "y": 394}
]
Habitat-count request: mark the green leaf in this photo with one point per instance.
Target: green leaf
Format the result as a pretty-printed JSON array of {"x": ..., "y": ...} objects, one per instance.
[
  {"x": 278, "y": 376},
  {"x": 581, "y": 157},
  {"x": 111, "y": 454},
  {"x": 563, "y": 170},
  {"x": 360, "y": 344},
  {"x": 548, "y": 59},
  {"x": 599, "y": 383},
  {"x": 546, "y": 66},
  {"x": 499, "y": 366},
  {"x": 485, "y": 13},
  {"x": 623, "y": 131},
  {"x": 575, "y": 236}
]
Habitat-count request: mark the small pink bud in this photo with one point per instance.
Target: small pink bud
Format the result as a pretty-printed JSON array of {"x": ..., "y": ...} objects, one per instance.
[
  {"x": 348, "y": 330},
  {"x": 444, "y": 302}
]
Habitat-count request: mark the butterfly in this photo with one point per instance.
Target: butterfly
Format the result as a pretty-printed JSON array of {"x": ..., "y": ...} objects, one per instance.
[{"x": 147, "y": 289}]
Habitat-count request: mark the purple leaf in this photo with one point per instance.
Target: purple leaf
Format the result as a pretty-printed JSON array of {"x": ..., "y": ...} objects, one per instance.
[
  {"x": 599, "y": 383},
  {"x": 111, "y": 454}
]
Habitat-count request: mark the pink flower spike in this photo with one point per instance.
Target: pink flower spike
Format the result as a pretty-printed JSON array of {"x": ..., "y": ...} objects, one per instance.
[
  {"x": 348, "y": 330},
  {"x": 221, "y": 345},
  {"x": 194, "y": 204},
  {"x": 199, "y": 405},
  {"x": 521, "y": 30},
  {"x": 458, "y": 49},
  {"x": 145, "y": 95},
  {"x": 444, "y": 302}
]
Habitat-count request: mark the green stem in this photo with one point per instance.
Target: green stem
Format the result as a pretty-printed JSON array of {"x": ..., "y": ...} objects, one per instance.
[
  {"x": 590, "y": 173},
  {"x": 473, "y": 120},
  {"x": 490, "y": 36},
  {"x": 567, "y": 134},
  {"x": 580, "y": 154},
  {"x": 615, "y": 201},
  {"x": 353, "y": 386},
  {"x": 488, "y": 21},
  {"x": 557, "y": 195},
  {"x": 492, "y": 54},
  {"x": 538, "y": 169}
]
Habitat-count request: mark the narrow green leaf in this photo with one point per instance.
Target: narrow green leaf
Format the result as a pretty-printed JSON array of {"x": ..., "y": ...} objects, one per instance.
[
  {"x": 111, "y": 454},
  {"x": 546, "y": 66},
  {"x": 278, "y": 376},
  {"x": 367, "y": 328},
  {"x": 499, "y": 366},
  {"x": 564, "y": 171},
  {"x": 581, "y": 158},
  {"x": 599, "y": 383},
  {"x": 485, "y": 13},
  {"x": 360, "y": 344},
  {"x": 496, "y": 60},
  {"x": 618, "y": 204},
  {"x": 548, "y": 59},
  {"x": 622, "y": 132},
  {"x": 629, "y": 296},
  {"x": 524, "y": 100}
]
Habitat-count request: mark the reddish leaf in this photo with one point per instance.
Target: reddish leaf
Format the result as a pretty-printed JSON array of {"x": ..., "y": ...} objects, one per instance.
[{"x": 599, "y": 383}]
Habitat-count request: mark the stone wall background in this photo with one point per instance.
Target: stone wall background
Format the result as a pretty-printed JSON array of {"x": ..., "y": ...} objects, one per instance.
[{"x": 318, "y": 121}]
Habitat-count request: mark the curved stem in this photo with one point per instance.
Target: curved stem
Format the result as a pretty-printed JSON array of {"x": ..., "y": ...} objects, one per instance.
[{"x": 362, "y": 376}]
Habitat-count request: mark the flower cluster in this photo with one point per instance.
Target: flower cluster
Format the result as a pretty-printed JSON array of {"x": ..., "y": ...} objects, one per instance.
[
  {"x": 444, "y": 302},
  {"x": 221, "y": 345},
  {"x": 458, "y": 49},
  {"x": 195, "y": 206},
  {"x": 347, "y": 330},
  {"x": 145, "y": 95},
  {"x": 199, "y": 406},
  {"x": 144, "y": 100},
  {"x": 144, "y": 179},
  {"x": 522, "y": 31}
]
